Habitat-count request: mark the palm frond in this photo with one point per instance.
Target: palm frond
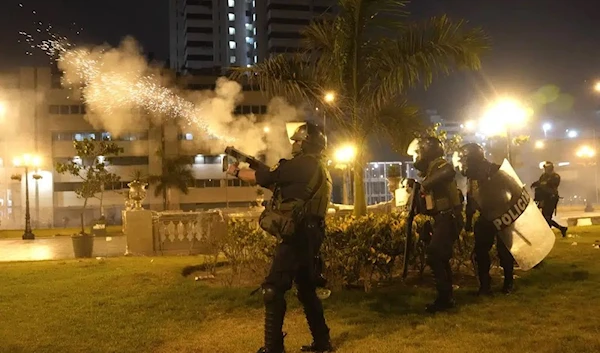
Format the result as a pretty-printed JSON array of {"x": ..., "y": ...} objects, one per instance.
[
  {"x": 399, "y": 122},
  {"x": 419, "y": 53}
]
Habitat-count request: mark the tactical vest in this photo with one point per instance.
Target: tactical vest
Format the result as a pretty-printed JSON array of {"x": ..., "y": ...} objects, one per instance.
[
  {"x": 443, "y": 197},
  {"x": 318, "y": 190}
]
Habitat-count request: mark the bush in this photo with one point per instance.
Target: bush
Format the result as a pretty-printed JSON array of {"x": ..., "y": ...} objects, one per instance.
[{"x": 356, "y": 251}]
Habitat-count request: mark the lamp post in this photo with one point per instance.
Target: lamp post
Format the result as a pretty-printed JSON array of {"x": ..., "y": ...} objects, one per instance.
[
  {"x": 26, "y": 161},
  {"x": 329, "y": 99},
  {"x": 344, "y": 156}
]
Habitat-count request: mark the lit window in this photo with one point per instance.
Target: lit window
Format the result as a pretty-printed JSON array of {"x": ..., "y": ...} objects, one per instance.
[
  {"x": 249, "y": 40},
  {"x": 254, "y": 45},
  {"x": 255, "y": 31},
  {"x": 231, "y": 30},
  {"x": 249, "y": 26},
  {"x": 254, "y": 18},
  {"x": 231, "y": 17},
  {"x": 231, "y": 3},
  {"x": 232, "y": 59},
  {"x": 188, "y": 137},
  {"x": 231, "y": 44},
  {"x": 256, "y": 59}
]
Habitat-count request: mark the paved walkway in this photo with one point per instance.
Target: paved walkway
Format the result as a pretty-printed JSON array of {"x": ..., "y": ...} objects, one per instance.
[{"x": 56, "y": 248}]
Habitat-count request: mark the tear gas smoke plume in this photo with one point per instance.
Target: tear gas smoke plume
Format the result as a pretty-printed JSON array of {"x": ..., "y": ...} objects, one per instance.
[{"x": 118, "y": 83}]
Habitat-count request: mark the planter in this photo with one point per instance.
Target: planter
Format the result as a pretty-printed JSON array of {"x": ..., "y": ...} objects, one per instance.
[{"x": 83, "y": 245}]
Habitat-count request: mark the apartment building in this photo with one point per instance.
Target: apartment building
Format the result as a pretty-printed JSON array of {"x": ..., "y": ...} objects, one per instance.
[
  {"x": 39, "y": 117},
  {"x": 207, "y": 34}
]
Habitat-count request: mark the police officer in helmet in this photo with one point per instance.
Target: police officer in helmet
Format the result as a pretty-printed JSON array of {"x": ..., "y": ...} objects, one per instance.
[
  {"x": 443, "y": 203},
  {"x": 546, "y": 194},
  {"x": 302, "y": 185},
  {"x": 477, "y": 169}
]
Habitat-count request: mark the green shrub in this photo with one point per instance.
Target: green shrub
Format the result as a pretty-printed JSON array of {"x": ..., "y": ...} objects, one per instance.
[{"x": 356, "y": 251}]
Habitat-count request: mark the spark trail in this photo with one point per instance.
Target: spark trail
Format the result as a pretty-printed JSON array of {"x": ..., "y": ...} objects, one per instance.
[{"x": 115, "y": 90}]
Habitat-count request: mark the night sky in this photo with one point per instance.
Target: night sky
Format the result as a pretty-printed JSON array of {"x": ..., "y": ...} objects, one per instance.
[{"x": 535, "y": 43}]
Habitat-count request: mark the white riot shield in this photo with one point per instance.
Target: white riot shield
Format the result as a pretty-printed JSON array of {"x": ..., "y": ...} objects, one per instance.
[{"x": 506, "y": 203}]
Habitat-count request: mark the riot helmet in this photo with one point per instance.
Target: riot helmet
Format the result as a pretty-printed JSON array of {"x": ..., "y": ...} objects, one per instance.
[
  {"x": 308, "y": 138},
  {"x": 425, "y": 150},
  {"x": 470, "y": 157},
  {"x": 548, "y": 167}
]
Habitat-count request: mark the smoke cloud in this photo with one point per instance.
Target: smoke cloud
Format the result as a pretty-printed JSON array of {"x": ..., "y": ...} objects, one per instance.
[{"x": 123, "y": 92}]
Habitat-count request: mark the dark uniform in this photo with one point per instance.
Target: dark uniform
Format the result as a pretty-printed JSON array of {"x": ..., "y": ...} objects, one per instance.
[
  {"x": 477, "y": 169},
  {"x": 302, "y": 180},
  {"x": 546, "y": 194},
  {"x": 442, "y": 202}
]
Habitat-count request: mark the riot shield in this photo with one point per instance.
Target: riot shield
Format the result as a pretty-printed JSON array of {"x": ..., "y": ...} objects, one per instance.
[{"x": 505, "y": 202}]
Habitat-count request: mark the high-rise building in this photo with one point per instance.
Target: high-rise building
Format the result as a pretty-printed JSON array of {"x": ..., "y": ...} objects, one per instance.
[{"x": 207, "y": 34}]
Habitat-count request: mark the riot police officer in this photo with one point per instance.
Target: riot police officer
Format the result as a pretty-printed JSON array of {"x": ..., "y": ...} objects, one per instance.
[
  {"x": 477, "y": 169},
  {"x": 441, "y": 201},
  {"x": 301, "y": 185},
  {"x": 546, "y": 194}
]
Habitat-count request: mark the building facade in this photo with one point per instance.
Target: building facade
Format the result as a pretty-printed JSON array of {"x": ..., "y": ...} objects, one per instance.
[
  {"x": 41, "y": 118},
  {"x": 207, "y": 34}
]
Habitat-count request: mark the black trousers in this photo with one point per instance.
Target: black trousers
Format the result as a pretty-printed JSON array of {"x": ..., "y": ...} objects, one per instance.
[
  {"x": 446, "y": 228},
  {"x": 548, "y": 207},
  {"x": 485, "y": 235},
  {"x": 296, "y": 262}
]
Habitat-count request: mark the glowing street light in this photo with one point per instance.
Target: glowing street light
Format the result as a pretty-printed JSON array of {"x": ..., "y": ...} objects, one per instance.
[
  {"x": 539, "y": 144},
  {"x": 27, "y": 161},
  {"x": 585, "y": 152},
  {"x": 344, "y": 156},
  {"x": 597, "y": 86},
  {"x": 546, "y": 127},
  {"x": 266, "y": 129},
  {"x": 572, "y": 134},
  {"x": 503, "y": 116},
  {"x": 470, "y": 125},
  {"x": 329, "y": 97}
]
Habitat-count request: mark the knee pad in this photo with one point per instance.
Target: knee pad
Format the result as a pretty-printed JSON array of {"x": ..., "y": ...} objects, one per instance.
[{"x": 269, "y": 294}]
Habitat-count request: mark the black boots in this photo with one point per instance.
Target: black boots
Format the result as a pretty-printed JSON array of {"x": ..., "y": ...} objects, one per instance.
[
  {"x": 317, "y": 348},
  {"x": 442, "y": 303},
  {"x": 563, "y": 231}
]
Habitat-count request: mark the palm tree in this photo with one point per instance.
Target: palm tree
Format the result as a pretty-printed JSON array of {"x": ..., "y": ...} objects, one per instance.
[
  {"x": 176, "y": 174},
  {"x": 370, "y": 55}
]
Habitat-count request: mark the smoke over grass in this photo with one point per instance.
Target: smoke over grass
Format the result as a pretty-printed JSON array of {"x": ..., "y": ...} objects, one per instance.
[{"x": 123, "y": 93}]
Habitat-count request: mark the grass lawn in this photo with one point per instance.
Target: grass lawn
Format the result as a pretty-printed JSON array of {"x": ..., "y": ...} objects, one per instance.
[
  {"x": 50, "y": 232},
  {"x": 145, "y": 305}
]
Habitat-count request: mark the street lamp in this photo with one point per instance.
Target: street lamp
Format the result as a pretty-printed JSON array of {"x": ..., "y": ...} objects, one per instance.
[
  {"x": 546, "y": 127},
  {"x": 344, "y": 156},
  {"x": 597, "y": 86},
  {"x": 503, "y": 116},
  {"x": 26, "y": 161},
  {"x": 329, "y": 98},
  {"x": 539, "y": 144}
]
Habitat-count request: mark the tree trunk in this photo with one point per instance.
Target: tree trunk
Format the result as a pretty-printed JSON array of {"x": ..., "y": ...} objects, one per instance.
[
  {"x": 82, "y": 216},
  {"x": 360, "y": 202}
]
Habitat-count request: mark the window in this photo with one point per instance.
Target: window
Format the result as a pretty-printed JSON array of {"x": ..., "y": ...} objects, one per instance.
[
  {"x": 256, "y": 59},
  {"x": 64, "y": 109},
  {"x": 106, "y": 136},
  {"x": 231, "y": 30},
  {"x": 75, "y": 109},
  {"x": 231, "y": 3},
  {"x": 54, "y": 109},
  {"x": 231, "y": 17},
  {"x": 232, "y": 59},
  {"x": 82, "y": 136},
  {"x": 231, "y": 44}
]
